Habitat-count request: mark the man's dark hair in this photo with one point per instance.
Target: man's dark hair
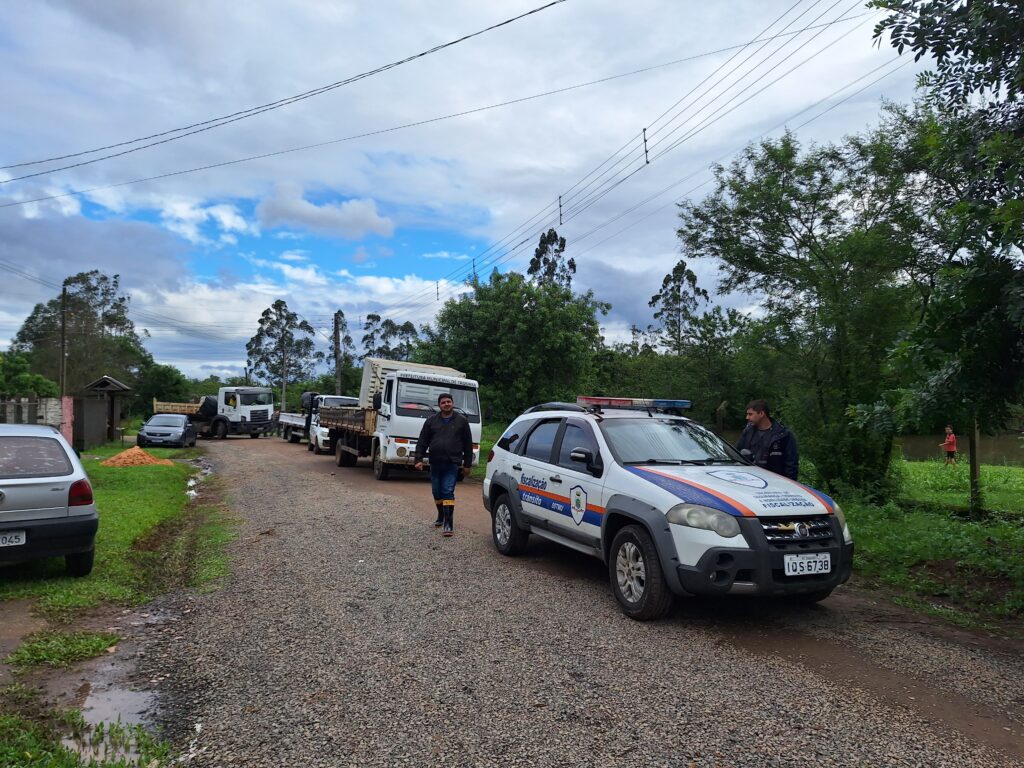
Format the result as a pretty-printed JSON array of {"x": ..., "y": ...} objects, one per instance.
[
  {"x": 949, "y": 426},
  {"x": 759, "y": 405},
  {"x": 443, "y": 395}
]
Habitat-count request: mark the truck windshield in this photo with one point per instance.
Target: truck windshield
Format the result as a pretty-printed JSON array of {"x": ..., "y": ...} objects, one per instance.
[
  {"x": 665, "y": 441},
  {"x": 256, "y": 398},
  {"x": 419, "y": 398}
]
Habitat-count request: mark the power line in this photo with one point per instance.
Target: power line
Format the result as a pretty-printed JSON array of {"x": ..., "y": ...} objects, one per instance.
[
  {"x": 892, "y": 70},
  {"x": 414, "y": 124},
  {"x": 217, "y": 122}
]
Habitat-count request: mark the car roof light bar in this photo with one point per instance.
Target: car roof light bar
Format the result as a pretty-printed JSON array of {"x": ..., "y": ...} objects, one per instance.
[{"x": 632, "y": 402}]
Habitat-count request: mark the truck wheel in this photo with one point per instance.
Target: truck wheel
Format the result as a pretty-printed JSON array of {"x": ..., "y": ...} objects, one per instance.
[
  {"x": 293, "y": 436},
  {"x": 342, "y": 457},
  {"x": 380, "y": 470},
  {"x": 509, "y": 538},
  {"x": 80, "y": 563},
  {"x": 254, "y": 434},
  {"x": 222, "y": 430},
  {"x": 635, "y": 572}
]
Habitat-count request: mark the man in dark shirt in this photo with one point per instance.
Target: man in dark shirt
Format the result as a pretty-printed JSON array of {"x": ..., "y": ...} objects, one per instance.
[
  {"x": 768, "y": 443},
  {"x": 448, "y": 438}
]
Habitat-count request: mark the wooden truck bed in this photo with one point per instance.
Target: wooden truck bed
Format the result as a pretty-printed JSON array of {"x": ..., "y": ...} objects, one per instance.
[
  {"x": 188, "y": 409},
  {"x": 362, "y": 421}
]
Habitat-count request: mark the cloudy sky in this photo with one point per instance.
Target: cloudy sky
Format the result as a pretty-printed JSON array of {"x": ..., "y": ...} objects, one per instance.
[{"x": 383, "y": 194}]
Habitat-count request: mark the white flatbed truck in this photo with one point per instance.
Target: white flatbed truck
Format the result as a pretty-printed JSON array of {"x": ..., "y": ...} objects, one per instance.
[{"x": 395, "y": 398}]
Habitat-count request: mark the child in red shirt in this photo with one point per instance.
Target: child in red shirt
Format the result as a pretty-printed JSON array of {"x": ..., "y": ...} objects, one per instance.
[{"x": 949, "y": 446}]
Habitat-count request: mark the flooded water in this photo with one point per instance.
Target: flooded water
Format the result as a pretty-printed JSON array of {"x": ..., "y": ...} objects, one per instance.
[{"x": 999, "y": 449}]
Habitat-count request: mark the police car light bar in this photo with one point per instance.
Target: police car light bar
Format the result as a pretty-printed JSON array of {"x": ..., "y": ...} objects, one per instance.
[{"x": 631, "y": 402}]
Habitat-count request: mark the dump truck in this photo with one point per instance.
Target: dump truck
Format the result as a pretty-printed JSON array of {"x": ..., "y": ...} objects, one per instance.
[
  {"x": 232, "y": 411},
  {"x": 395, "y": 398}
]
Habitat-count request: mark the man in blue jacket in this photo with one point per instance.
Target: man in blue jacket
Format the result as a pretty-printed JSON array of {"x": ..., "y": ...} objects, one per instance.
[
  {"x": 448, "y": 438},
  {"x": 768, "y": 443}
]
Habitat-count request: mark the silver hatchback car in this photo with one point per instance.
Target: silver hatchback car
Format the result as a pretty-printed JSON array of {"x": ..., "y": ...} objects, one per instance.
[{"x": 46, "y": 501}]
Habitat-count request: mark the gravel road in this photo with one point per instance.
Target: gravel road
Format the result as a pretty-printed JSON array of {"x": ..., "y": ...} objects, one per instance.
[{"x": 351, "y": 633}]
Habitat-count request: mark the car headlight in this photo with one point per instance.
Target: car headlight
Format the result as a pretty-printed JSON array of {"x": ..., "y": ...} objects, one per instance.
[
  {"x": 841, "y": 517},
  {"x": 696, "y": 516}
]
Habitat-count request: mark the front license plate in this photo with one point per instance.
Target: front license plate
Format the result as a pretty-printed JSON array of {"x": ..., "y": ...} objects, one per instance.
[
  {"x": 12, "y": 538},
  {"x": 805, "y": 565}
]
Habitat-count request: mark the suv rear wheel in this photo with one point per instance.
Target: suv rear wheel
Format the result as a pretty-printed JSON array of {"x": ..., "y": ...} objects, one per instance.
[
  {"x": 509, "y": 538},
  {"x": 636, "y": 576}
]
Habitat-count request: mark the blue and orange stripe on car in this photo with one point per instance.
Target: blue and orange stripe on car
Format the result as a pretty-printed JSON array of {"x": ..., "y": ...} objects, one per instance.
[
  {"x": 562, "y": 505},
  {"x": 693, "y": 492}
]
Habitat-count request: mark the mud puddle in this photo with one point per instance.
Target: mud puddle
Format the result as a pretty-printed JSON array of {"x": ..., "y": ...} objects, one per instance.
[
  {"x": 16, "y": 623},
  {"x": 205, "y": 470}
]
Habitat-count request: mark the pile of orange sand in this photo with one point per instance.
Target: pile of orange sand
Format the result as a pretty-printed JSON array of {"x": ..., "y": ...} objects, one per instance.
[{"x": 134, "y": 457}]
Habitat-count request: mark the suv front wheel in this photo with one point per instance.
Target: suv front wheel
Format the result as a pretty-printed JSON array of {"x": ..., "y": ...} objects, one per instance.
[
  {"x": 509, "y": 538},
  {"x": 636, "y": 576}
]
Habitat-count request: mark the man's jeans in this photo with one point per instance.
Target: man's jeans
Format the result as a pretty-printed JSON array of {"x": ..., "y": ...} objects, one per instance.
[{"x": 442, "y": 480}]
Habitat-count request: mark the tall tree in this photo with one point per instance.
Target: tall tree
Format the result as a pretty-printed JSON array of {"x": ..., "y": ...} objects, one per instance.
[
  {"x": 160, "y": 382},
  {"x": 372, "y": 336},
  {"x": 968, "y": 350},
  {"x": 823, "y": 239},
  {"x": 549, "y": 264},
  {"x": 99, "y": 336},
  {"x": 675, "y": 307},
  {"x": 343, "y": 355},
  {"x": 282, "y": 349},
  {"x": 16, "y": 380},
  {"x": 526, "y": 342}
]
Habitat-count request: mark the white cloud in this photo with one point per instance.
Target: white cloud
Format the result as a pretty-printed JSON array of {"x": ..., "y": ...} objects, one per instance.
[
  {"x": 351, "y": 219},
  {"x": 295, "y": 255},
  {"x": 446, "y": 255}
]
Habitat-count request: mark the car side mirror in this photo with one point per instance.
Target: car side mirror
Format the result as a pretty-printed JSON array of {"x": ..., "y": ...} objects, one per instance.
[
  {"x": 584, "y": 456},
  {"x": 377, "y": 400}
]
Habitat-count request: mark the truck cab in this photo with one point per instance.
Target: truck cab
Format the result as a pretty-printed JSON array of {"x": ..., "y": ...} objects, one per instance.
[
  {"x": 243, "y": 410},
  {"x": 407, "y": 399}
]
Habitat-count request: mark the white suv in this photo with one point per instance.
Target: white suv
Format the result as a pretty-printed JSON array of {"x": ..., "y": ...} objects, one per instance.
[{"x": 666, "y": 503}]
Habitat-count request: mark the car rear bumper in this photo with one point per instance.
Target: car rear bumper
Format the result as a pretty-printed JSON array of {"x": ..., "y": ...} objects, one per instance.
[{"x": 51, "y": 538}]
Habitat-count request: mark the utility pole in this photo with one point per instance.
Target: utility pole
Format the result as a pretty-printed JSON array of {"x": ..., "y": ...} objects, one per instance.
[
  {"x": 64, "y": 338},
  {"x": 337, "y": 352}
]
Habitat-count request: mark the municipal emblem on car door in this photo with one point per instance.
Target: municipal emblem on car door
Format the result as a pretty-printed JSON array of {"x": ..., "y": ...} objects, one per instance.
[{"x": 578, "y": 496}]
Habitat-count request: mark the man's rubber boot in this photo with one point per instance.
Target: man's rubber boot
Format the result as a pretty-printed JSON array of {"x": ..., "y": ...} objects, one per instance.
[
  {"x": 440, "y": 514},
  {"x": 449, "y": 513}
]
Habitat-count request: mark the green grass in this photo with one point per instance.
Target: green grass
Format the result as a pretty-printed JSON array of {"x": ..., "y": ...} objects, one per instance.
[
  {"x": 59, "y": 649},
  {"x": 132, "y": 501},
  {"x": 31, "y": 737},
  {"x": 929, "y": 482},
  {"x": 489, "y": 436},
  {"x": 924, "y": 547}
]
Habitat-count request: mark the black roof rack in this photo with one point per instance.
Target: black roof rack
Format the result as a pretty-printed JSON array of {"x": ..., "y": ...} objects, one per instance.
[{"x": 555, "y": 406}]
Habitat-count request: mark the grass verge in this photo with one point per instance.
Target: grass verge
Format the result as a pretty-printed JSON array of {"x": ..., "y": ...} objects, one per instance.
[
  {"x": 52, "y": 648},
  {"x": 968, "y": 571},
  {"x": 132, "y": 502},
  {"x": 932, "y": 484},
  {"x": 35, "y": 736}
]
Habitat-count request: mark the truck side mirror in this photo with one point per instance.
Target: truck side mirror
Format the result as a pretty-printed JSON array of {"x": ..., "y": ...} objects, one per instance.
[{"x": 377, "y": 400}]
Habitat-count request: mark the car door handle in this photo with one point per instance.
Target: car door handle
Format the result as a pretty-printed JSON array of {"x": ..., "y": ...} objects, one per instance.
[
  {"x": 517, "y": 467},
  {"x": 555, "y": 479}
]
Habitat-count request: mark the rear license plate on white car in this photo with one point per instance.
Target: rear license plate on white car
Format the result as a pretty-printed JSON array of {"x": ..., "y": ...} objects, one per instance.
[
  {"x": 11, "y": 538},
  {"x": 807, "y": 564}
]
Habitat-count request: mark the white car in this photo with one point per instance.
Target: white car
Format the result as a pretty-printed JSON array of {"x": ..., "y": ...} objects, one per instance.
[
  {"x": 46, "y": 502},
  {"x": 320, "y": 437},
  {"x": 667, "y": 504}
]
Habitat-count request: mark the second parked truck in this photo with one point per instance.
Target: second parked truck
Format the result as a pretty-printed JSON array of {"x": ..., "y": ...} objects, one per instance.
[
  {"x": 394, "y": 400},
  {"x": 233, "y": 411}
]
